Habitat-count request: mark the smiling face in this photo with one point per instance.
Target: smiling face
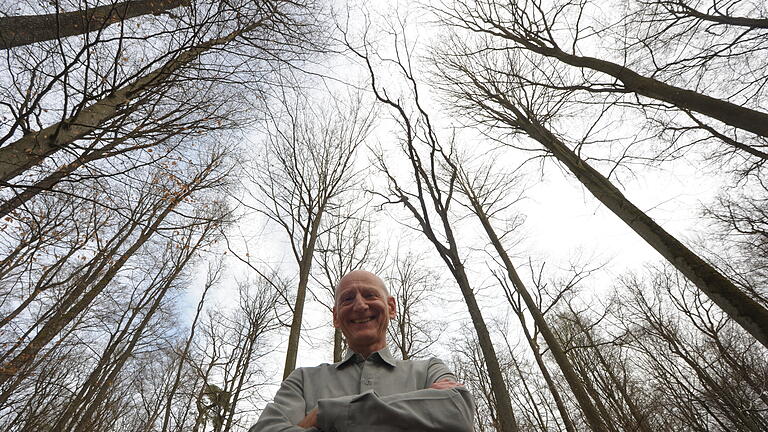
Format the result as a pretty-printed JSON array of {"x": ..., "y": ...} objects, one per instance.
[{"x": 362, "y": 311}]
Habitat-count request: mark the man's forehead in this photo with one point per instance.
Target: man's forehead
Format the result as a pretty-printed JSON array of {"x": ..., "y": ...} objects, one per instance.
[{"x": 360, "y": 279}]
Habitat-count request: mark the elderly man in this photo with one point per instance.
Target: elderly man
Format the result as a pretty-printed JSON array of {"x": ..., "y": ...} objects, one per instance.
[{"x": 369, "y": 390}]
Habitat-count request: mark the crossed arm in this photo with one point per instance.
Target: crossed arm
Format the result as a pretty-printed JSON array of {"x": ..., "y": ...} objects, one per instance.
[
  {"x": 445, "y": 406},
  {"x": 310, "y": 420}
]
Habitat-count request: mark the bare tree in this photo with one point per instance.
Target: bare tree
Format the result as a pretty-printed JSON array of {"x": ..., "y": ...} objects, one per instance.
[
  {"x": 301, "y": 179},
  {"x": 428, "y": 196},
  {"x": 692, "y": 354},
  {"x": 233, "y": 342},
  {"x": 213, "y": 277},
  {"x": 74, "y": 103},
  {"x": 416, "y": 291},
  {"x": 346, "y": 245},
  {"x": 148, "y": 218},
  {"x": 532, "y": 27},
  {"x": 485, "y": 193},
  {"x": 497, "y": 96}
]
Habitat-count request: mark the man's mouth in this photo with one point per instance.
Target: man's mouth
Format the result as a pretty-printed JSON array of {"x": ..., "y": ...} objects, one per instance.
[{"x": 362, "y": 321}]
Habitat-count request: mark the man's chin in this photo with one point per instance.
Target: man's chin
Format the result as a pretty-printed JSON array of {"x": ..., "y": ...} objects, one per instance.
[{"x": 363, "y": 339}]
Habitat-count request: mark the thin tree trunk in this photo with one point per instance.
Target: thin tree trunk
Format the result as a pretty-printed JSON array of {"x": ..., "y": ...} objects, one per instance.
[
  {"x": 569, "y": 426},
  {"x": 28, "y": 29},
  {"x": 577, "y": 387},
  {"x": 640, "y": 418},
  {"x": 535, "y": 406},
  {"x": 337, "y": 345},
  {"x": 102, "y": 391},
  {"x": 183, "y": 358},
  {"x": 598, "y": 400},
  {"x": 305, "y": 265},
  {"x": 53, "y": 326}
]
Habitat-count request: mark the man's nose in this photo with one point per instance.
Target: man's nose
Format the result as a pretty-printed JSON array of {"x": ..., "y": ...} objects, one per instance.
[{"x": 359, "y": 303}]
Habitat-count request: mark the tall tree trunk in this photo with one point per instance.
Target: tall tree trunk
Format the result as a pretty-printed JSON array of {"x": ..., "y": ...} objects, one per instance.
[
  {"x": 305, "y": 265},
  {"x": 749, "y": 314},
  {"x": 185, "y": 352},
  {"x": 28, "y": 29},
  {"x": 506, "y": 415},
  {"x": 569, "y": 426},
  {"x": 33, "y": 148}
]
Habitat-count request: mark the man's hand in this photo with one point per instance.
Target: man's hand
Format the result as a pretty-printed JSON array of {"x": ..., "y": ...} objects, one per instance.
[
  {"x": 310, "y": 420},
  {"x": 446, "y": 384}
]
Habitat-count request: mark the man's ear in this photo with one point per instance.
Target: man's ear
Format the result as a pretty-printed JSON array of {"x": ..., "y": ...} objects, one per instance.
[
  {"x": 335, "y": 320},
  {"x": 392, "y": 306}
]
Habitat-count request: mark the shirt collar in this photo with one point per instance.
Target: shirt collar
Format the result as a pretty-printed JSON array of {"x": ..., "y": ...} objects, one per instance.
[{"x": 383, "y": 355}]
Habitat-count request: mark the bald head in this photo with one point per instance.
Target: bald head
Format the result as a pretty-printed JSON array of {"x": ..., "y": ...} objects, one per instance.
[
  {"x": 362, "y": 311},
  {"x": 363, "y": 276}
]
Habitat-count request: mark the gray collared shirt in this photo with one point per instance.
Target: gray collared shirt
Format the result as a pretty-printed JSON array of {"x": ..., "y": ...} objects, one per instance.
[{"x": 378, "y": 394}]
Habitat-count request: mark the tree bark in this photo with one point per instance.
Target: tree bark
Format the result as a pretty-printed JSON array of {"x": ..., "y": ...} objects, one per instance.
[
  {"x": 337, "y": 345},
  {"x": 28, "y": 29}
]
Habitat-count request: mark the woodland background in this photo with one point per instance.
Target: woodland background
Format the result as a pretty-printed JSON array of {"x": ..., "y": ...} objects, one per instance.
[{"x": 182, "y": 183}]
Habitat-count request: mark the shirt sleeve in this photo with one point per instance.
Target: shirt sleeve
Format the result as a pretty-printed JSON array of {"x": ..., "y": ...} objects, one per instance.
[
  {"x": 428, "y": 410},
  {"x": 287, "y": 410},
  {"x": 437, "y": 371}
]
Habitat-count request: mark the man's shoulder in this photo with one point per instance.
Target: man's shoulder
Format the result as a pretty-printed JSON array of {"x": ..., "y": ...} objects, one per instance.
[
  {"x": 426, "y": 361},
  {"x": 317, "y": 368},
  {"x": 428, "y": 365}
]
